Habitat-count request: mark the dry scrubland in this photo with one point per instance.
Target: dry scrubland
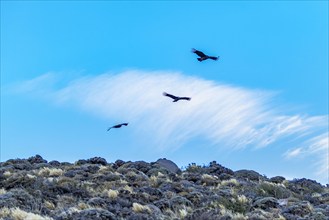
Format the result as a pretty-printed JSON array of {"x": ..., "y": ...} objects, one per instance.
[{"x": 94, "y": 189}]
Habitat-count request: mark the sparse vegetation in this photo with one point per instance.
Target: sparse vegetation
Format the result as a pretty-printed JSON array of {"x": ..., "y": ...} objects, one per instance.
[
  {"x": 49, "y": 172},
  {"x": 18, "y": 214},
  {"x": 96, "y": 189},
  {"x": 141, "y": 208},
  {"x": 113, "y": 194}
]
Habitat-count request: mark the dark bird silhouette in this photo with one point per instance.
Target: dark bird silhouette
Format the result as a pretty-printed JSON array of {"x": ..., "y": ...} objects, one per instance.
[
  {"x": 203, "y": 56},
  {"x": 117, "y": 126},
  {"x": 176, "y": 98}
]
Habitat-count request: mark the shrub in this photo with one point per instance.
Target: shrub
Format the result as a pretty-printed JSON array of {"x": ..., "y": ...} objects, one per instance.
[
  {"x": 209, "y": 180},
  {"x": 239, "y": 204},
  {"x": 277, "y": 179},
  {"x": 193, "y": 168},
  {"x": 272, "y": 189}
]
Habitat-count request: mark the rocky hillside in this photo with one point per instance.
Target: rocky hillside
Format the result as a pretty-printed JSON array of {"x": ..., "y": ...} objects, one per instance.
[{"x": 94, "y": 189}]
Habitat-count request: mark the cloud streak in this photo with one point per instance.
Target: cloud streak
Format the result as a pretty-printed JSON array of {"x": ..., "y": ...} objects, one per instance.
[
  {"x": 317, "y": 147},
  {"x": 225, "y": 115}
]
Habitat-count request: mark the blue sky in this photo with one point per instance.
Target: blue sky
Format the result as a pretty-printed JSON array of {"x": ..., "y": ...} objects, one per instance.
[{"x": 69, "y": 70}]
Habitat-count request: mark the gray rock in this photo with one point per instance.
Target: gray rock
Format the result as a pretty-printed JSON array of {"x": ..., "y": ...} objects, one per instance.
[
  {"x": 169, "y": 165},
  {"x": 36, "y": 159},
  {"x": 155, "y": 210},
  {"x": 300, "y": 209},
  {"x": 55, "y": 163},
  {"x": 305, "y": 186},
  {"x": 81, "y": 162},
  {"x": 97, "y": 160},
  {"x": 162, "y": 204},
  {"x": 248, "y": 175},
  {"x": 72, "y": 173},
  {"x": 180, "y": 201},
  {"x": 41, "y": 165},
  {"x": 23, "y": 166},
  {"x": 150, "y": 190},
  {"x": 97, "y": 202},
  {"x": 19, "y": 198},
  {"x": 277, "y": 179},
  {"x": 88, "y": 214},
  {"x": 204, "y": 214},
  {"x": 118, "y": 163},
  {"x": 266, "y": 203},
  {"x": 215, "y": 168},
  {"x": 141, "y": 216},
  {"x": 138, "y": 165}
]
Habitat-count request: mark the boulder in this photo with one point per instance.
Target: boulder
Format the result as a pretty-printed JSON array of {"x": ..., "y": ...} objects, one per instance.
[
  {"x": 300, "y": 209},
  {"x": 97, "y": 160},
  {"x": 248, "y": 175},
  {"x": 266, "y": 203},
  {"x": 36, "y": 159},
  {"x": 169, "y": 165}
]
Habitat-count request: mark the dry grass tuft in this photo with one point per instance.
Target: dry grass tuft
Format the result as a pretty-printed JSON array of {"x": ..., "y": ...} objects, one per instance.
[
  {"x": 3, "y": 191},
  {"x": 182, "y": 213},
  {"x": 103, "y": 168},
  {"x": 243, "y": 199},
  {"x": 161, "y": 174},
  {"x": 112, "y": 194},
  {"x": 83, "y": 206},
  {"x": 49, "y": 172},
  {"x": 140, "y": 208},
  {"x": 4, "y": 212},
  {"x": 30, "y": 176},
  {"x": 128, "y": 188},
  {"x": 50, "y": 205},
  {"x": 230, "y": 182},
  {"x": 154, "y": 181},
  {"x": 7, "y": 174},
  {"x": 208, "y": 177},
  {"x": 18, "y": 214}
]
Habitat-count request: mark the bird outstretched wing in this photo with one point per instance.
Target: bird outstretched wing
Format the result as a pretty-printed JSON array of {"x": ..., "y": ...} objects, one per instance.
[
  {"x": 186, "y": 98},
  {"x": 213, "y": 58},
  {"x": 117, "y": 126},
  {"x": 198, "y": 52},
  {"x": 169, "y": 95}
]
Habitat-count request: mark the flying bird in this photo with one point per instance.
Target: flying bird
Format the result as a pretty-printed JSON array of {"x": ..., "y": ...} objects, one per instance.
[
  {"x": 176, "y": 98},
  {"x": 203, "y": 56},
  {"x": 117, "y": 126}
]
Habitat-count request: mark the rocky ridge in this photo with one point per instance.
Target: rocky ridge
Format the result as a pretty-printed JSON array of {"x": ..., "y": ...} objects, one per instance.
[{"x": 34, "y": 188}]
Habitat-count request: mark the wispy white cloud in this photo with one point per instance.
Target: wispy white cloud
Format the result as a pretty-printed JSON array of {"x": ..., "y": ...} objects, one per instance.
[
  {"x": 39, "y": 85},
  {"x": 224, "y": 114},
  {"x": 317, "y": 147},
  {"x": 291, "y": 153}
]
